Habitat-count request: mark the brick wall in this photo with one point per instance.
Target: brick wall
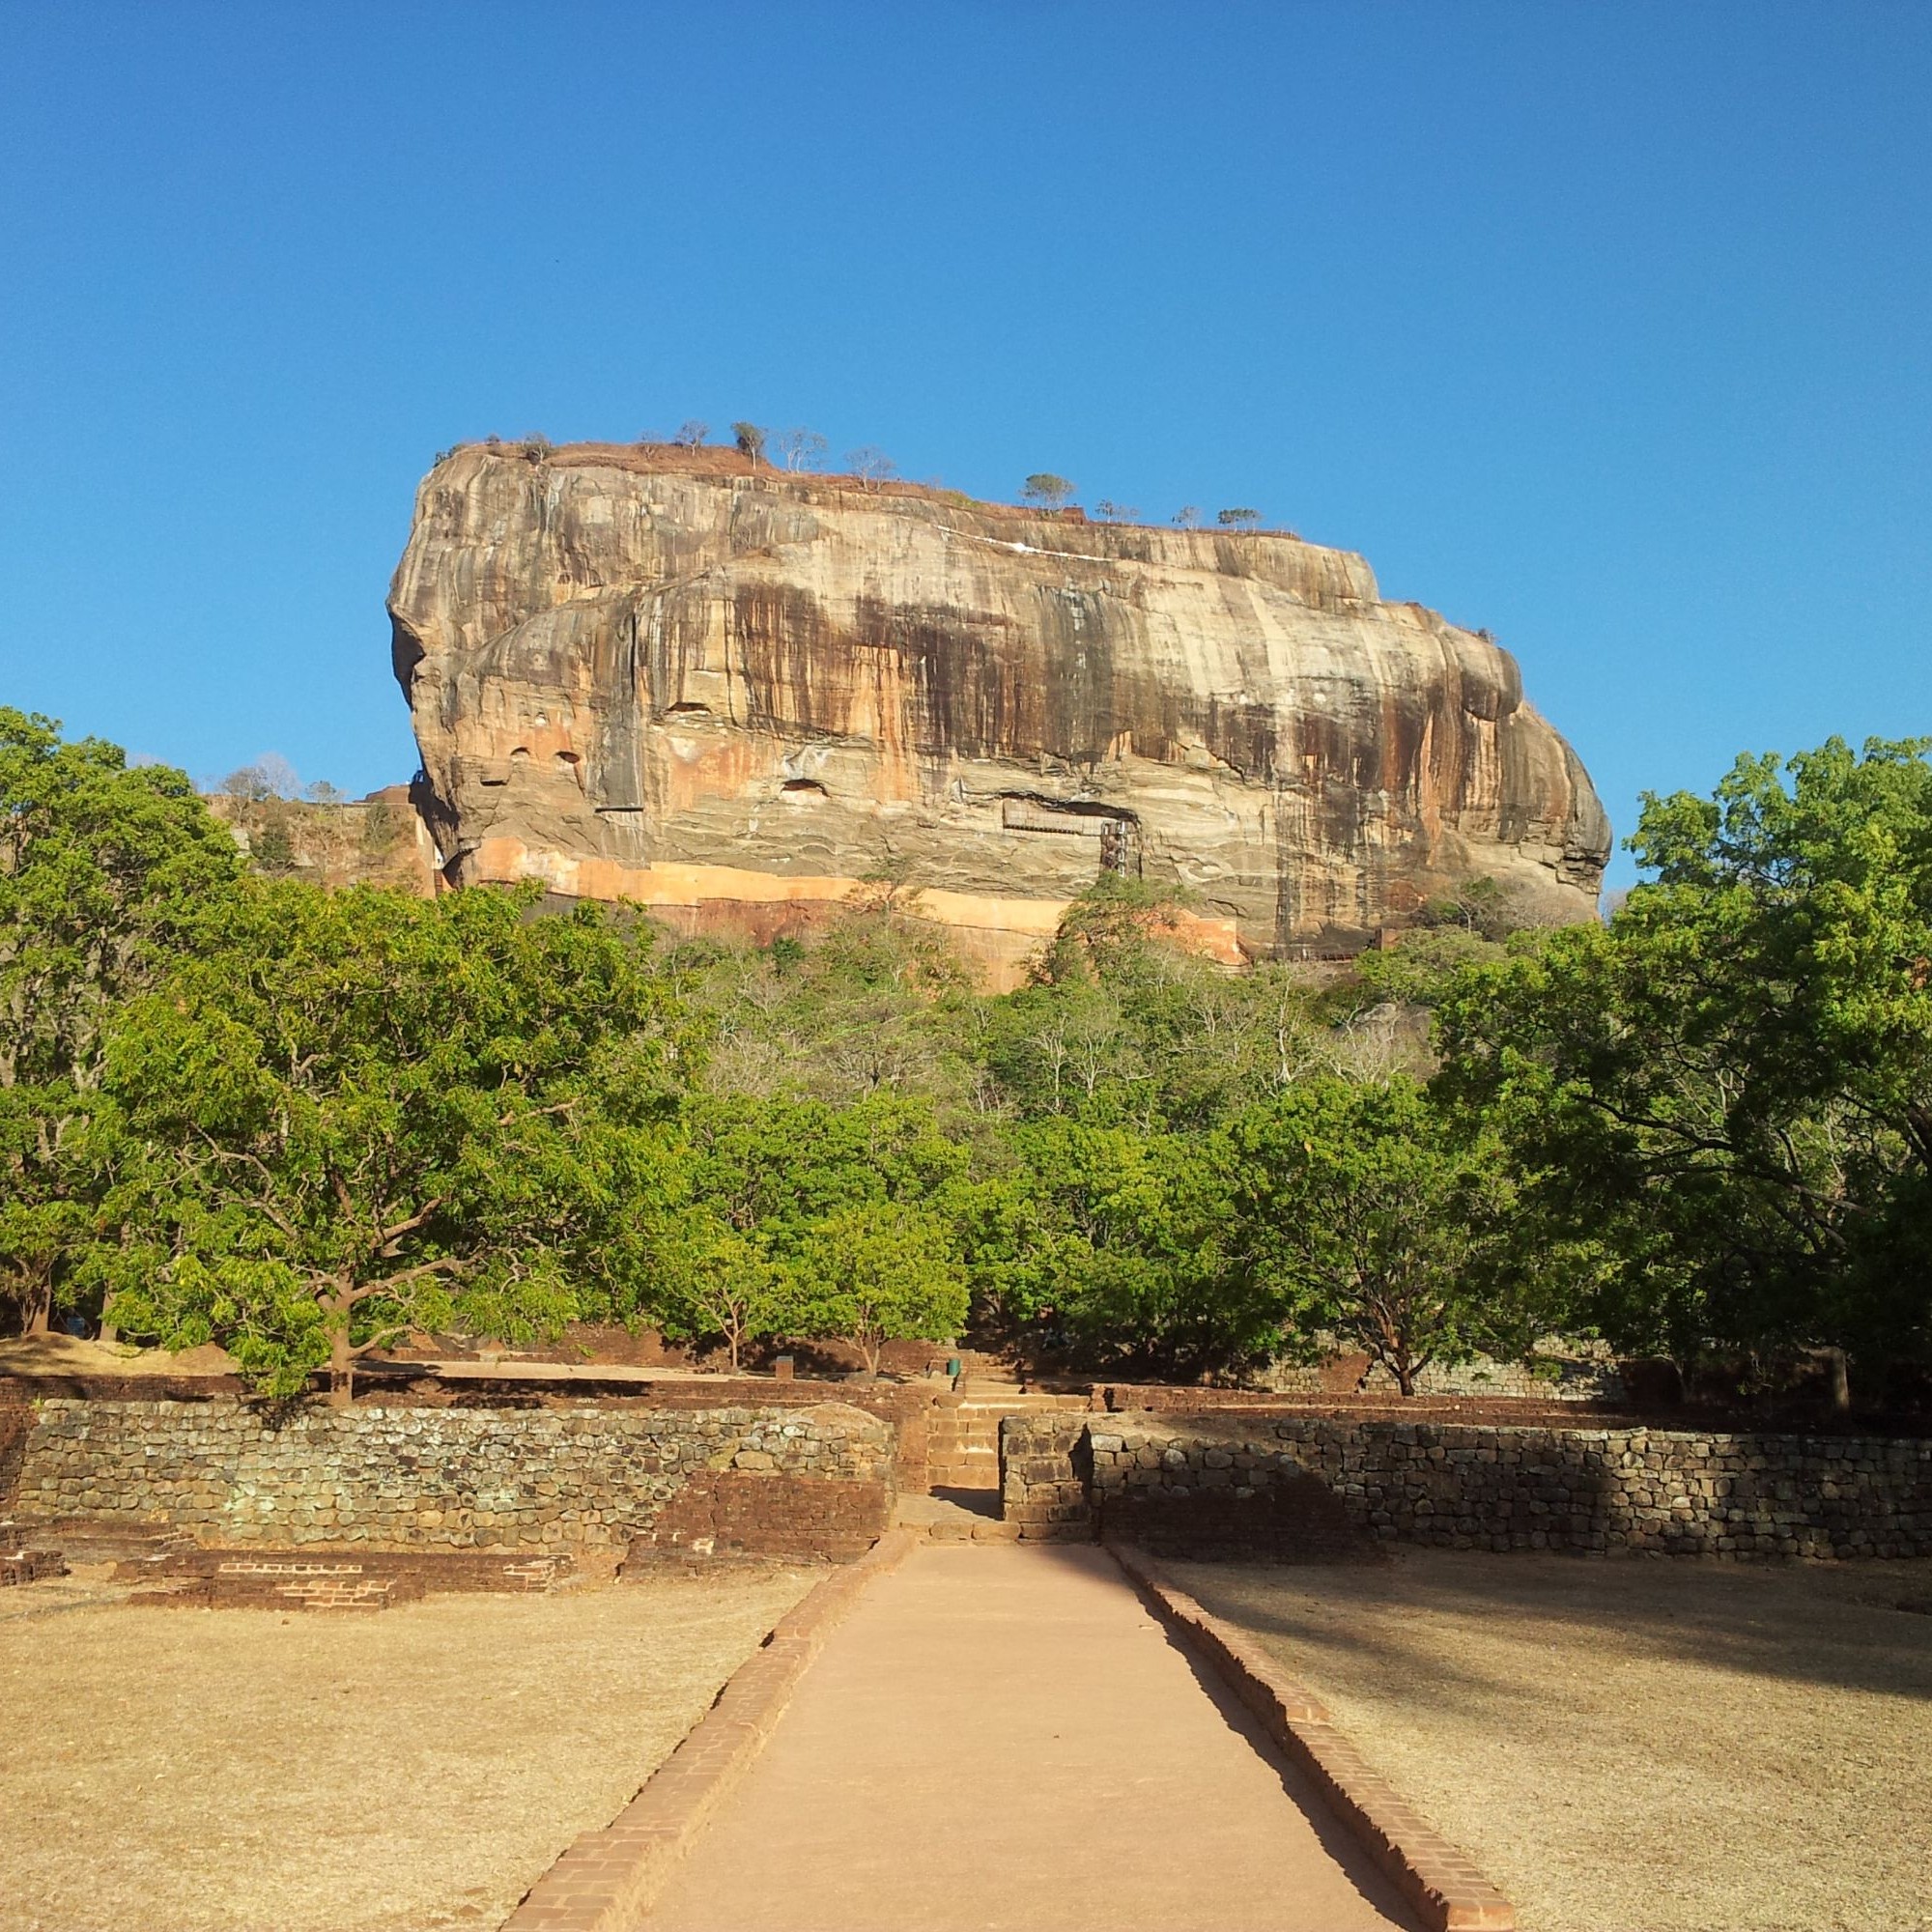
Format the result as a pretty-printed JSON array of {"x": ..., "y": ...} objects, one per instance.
[
  {"x": 1240, "y": 1478},
  {"x": 234, "y": 1472},
  {"x": 17, "y": 1421}
]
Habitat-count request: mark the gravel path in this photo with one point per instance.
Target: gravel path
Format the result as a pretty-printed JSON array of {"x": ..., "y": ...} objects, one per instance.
[
  {"x": 1640, "y": 1746},
  {"x": 237, "y": 1770}
]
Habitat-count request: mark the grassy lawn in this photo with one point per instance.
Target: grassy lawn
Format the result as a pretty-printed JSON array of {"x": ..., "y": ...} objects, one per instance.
[
  {"x": 209, "y": 1770},
  {"x": 1635, "y": 1746}
]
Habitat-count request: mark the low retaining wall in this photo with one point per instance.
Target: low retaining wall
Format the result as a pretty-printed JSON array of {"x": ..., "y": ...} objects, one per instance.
[
  {"x": 1214, "y": 1485},
  {"x": 807, "y": 1481},
  {"x": 907, "y": 1408}
]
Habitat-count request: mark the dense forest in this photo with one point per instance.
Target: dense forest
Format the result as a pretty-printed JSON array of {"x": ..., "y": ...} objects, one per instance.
[{"x": 302, "y": 1123}]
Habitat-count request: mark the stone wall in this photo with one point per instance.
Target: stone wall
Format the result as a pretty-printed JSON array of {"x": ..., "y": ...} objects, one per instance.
[
  {"x": 235, "y": 1472},
  {"x": 1667, "y": 1493},
  {"x": 906, "y": 1408},
  {"x": 1562, "y": 1372}
]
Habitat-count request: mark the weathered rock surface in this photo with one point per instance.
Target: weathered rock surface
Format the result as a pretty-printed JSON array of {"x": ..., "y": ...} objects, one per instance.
[
  {"x": 734, "y": 696},
  {"x": 378, "y": 840}
]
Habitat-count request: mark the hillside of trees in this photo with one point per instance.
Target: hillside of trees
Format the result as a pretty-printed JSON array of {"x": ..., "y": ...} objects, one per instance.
[{"x": 239, "y": 1107}]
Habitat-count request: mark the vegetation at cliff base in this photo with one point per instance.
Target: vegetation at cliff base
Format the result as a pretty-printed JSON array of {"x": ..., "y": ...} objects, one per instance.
[{"x": 235, "y": 1106}]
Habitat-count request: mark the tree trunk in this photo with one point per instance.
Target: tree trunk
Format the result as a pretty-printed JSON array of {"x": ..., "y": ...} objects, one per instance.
[
  {"x": 341, "y": 1363},
  {"x": 40, "y": 1308},
  {"x": 1838, "y": 1370}
]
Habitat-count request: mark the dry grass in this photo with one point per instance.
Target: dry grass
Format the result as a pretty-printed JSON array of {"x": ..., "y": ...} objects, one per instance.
[
  {"x": 72, "y": 1355},
  {"x": 208, "y": 1771},
  {"x": 1635, "y": 1746}
]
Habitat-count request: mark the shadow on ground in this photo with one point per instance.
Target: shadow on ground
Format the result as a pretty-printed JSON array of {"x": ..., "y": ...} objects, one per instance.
[{"x": 1844, "y": 1625}]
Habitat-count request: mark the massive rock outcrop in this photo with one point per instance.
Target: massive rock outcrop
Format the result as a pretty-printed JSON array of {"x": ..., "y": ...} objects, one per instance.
[{"x": 735, "y": 695}]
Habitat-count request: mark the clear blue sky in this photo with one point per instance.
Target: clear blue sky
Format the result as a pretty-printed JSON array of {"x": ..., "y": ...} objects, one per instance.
[{"x": 1606, "y": 326}]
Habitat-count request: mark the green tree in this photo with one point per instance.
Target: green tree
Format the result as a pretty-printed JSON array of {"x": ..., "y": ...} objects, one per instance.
[
  {"x": 1378, "y": 1219},
  {"x": 881, "y": 1273},
  {"x": 1419, "y": 970},
  {"x": 774, "y": 1169},
  {"x": 381, "y": 831},
  {"x": 1048, "y": 491},
  {"x": 1738, "y": 1070},
  {"x": 271, "y": 847},
  {"x": 709, "y": 1280},
  {"x": 751, "y": 440},
  {"x": 99, "y": 864},
  {"x": 361, "y": 1111},
  {"x": 1139, "y": 1274},
  {"x": 1237, "y": 518},
  {"x": 1112, "y": 1243}
]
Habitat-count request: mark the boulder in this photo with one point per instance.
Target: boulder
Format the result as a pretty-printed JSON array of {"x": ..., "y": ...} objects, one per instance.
[{"x": 743, "y": 697}]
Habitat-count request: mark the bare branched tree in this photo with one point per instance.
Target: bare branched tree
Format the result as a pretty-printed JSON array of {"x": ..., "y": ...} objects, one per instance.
[
  {"x": 871, "y": 466},
  {"x": 802, "y": 448},
  {"x": 271, "y": 775}
]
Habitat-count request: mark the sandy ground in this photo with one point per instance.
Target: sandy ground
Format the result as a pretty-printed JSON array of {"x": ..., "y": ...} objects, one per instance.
[
  {"x": 74, "y": 1355},
  {"x": 212, "y": 1770},
  {"x": 1636, "y": 1746}
]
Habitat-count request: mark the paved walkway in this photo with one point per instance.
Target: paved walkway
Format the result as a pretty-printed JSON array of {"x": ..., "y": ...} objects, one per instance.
[{"x": 1001, "y": 1736}]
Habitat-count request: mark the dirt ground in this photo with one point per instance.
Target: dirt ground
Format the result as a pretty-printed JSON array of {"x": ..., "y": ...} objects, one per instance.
[
  {"x": 251, "y": 1771},
  {"x": 1635, "y": 1746},
  {"x": 72, "y": 1355}
]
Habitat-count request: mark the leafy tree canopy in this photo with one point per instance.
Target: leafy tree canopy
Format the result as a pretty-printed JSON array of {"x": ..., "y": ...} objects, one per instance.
[
  {"x": 99, "y": 862},
  {"x": 1735, "y": 1077},
  {"x": 881, "y": 1271},
  {"x": 359, "y": 1112},
  {"x": 1374, "y": 1216}
]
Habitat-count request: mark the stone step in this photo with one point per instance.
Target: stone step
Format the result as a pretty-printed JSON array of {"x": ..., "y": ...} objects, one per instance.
[{"x": 945, "y": 1520}]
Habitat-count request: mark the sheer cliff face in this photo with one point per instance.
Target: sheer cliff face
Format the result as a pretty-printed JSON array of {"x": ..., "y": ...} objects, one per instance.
[{"x": 736, "y": 696}]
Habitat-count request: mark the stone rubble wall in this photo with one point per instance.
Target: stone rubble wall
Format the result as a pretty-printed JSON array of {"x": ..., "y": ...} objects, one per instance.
[
  {"x": 230, "y": 1471},
  {"x": 1558, "y": 1377},
  {"x": 1664, "y": 1493}
]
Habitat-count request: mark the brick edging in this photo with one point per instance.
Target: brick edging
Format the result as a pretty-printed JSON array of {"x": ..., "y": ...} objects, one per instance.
[
  {"x": 1436, "y": 1878},
  {"x": 606, "y": 1881}
]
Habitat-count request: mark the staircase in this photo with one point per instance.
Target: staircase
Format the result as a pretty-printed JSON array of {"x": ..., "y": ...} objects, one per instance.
[{"x": 963, "y": 1439}]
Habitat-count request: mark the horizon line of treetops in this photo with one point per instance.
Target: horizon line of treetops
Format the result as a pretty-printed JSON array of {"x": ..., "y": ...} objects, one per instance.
[
  {"x": 301, "y": 1122},
  {"x": 806, "y": 450}
]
